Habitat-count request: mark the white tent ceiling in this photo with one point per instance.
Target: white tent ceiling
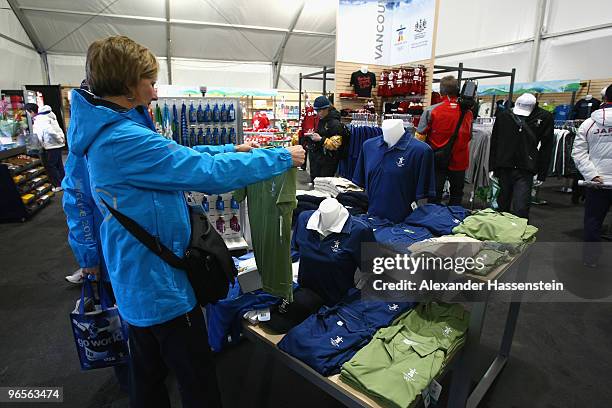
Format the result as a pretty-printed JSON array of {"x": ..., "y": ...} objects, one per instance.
[{"x": 236, "y": 42}]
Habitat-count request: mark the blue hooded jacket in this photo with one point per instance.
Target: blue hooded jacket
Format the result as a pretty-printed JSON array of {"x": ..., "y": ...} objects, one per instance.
[
  {"x": 143, "y": 175},
  {"x": 82, "y": 215}
]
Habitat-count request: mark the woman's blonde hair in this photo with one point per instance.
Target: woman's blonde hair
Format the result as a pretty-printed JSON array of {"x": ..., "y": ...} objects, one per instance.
[{"x": 117, "y": 63}]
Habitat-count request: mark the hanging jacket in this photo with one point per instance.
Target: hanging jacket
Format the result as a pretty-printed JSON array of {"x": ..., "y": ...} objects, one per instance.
[
  {"x": 82, "y": 215},
  {"x": 438, "y": 123},
  {"x": 48, "y": 132},
  {"x": 514, "y": 149},
  {"x": 143, "y": 175},
  {"x": 592, "y": 150}
]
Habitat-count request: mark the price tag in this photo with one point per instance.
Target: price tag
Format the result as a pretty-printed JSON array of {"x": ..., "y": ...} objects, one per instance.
[
  {"x": 435, "y": 389},
  {"x": 426, "y": 397},
  {"x": 264, "y": 315},
  {"x": 414, "y": 206}
]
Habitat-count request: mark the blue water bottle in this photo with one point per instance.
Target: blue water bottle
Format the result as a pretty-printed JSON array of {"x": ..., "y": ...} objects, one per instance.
[
  {"x": 231, "y": 113},
  {"x": 201, "y": 140},
  {"x": 234, "y": 205},
  {"x": 232, "y": 135},
  {"x": 200, "y": 113},
  {"x": 223, "y": 139},
  {"x": 220, "y": 205},
  {"x": 223, "y": 113},
  {"x": 216, "y": 113},
  {"x": 215, "y": 136},
  {"x": 208, "y": 137},
  {"x": 207, "y": 114},
  {"x": 193, "y": 118},
  {"x": 192, "y": 138}
]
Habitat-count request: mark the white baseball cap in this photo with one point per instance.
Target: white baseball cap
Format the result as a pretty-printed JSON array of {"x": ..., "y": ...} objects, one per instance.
[{"x": 524, "y": 104}]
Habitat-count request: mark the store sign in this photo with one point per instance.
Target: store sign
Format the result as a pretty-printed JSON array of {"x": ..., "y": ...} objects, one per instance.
[
  {"x": 385, "y": 32},
  {"x": 531, "y": 87}
]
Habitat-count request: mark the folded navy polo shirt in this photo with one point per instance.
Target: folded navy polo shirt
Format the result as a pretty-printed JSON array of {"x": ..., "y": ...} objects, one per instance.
[
  {"x": 439, "y": 219},
  {"x": 328, "y": 264},
  {"x": 395, "y": 177},
  {"x": 331, "y": 337}
]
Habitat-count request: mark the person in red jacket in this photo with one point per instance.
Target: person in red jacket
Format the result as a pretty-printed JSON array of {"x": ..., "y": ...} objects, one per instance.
[{"x": 436, "y": 127}]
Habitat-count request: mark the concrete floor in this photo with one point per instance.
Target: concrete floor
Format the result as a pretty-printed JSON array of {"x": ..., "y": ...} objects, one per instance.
[{"x": 560, "y": 358}]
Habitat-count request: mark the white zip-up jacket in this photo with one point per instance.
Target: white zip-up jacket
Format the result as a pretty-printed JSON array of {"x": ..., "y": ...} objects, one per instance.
[
  {"x": 47, "y": 130},
  {"x": 592, "y": 150}
]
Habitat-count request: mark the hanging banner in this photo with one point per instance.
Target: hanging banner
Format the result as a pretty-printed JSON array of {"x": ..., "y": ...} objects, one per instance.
[
  {"x": 570, "y": 85},
  {"x": 385, "y": 32}
]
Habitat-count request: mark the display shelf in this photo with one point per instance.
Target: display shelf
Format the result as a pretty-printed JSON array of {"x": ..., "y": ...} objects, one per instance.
[
  {"x": 15, "y": 151},
  {"x": 12, "y": 207}
]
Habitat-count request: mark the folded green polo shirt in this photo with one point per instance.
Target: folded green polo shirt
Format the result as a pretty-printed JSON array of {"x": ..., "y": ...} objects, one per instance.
[
  {"x": 490, "y": 225},
  {"x": 445, "y": 322},
  {"x": 395, "y": 366}
]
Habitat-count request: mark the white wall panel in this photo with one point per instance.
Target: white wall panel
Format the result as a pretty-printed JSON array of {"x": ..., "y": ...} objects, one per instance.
[
  {"x": 567, "y": 15},
  {"x": 215, "y": 73},
  {"x": 10, "y": 26},
  {"x": 582, "y": 56},
  {"x": 500, "y": 59},
  {"x": 470, "y": 24},
  {"x": 20, "y": 66}
]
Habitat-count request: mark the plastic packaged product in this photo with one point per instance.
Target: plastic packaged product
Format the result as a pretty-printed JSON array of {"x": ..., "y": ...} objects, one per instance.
[
  {"x": 201, "y": 139},
  {"x": 208, "y": 138},
  {"x": 200, "y": 114},
  {"x": 223, "y": 138},
  {"x": 220, "y": 224},
  {"x": 193, "y": 118},
  {"x": 223, "y": 113},
  {"x": 208, "y": 114},
  {"x": 220, "y": 205},
  {"x": 215, "y": 136},
  {"x": 234, "y": 224},
  {"x": 231, "y": 113},
  {"x": 205, "y": 204},
  {"x": 192, "y": 138},
  {"x": 216, "y": 113},
  {"x": 232, "y": 135},
  {"x": 234, "y": 205}
]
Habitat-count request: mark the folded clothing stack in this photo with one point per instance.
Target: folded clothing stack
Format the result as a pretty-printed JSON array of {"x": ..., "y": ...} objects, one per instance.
[
  {"x": 402, "y": 359},
  {"x": 334, "y": 185},
  {"x": 329, "y": 338},
  {"x": 501, "y": 227},
  {"x": 439, "y": 219}
]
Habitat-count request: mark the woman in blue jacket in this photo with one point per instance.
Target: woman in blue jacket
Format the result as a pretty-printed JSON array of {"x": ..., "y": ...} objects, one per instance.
[{"x": 143, "y": 175}]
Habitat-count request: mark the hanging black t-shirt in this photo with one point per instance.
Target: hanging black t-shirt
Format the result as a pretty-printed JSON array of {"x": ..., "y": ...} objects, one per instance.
[
  {"x": 363, "y": 83},
  {"x": 584, "y": 108}
]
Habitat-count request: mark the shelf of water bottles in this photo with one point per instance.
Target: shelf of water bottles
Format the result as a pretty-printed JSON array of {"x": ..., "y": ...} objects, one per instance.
[
  {"x": 226, "y": 215},
  {"x": 198, "y": 121}
]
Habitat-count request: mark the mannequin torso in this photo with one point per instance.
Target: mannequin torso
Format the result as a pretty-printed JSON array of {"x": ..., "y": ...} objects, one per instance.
[
  {"x": 329, "y": 218},
  {"x": 364, "y": 69},
  {"x": 393, "y": 130}
]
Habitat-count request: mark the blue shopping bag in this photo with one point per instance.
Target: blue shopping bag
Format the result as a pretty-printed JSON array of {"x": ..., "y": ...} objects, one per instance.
[{"x": 100, "y": 335}]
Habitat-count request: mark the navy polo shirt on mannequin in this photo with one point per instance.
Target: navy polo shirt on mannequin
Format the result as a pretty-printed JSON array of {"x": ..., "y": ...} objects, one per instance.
[
  {"x": 395, "y": 177},
  {"x": 328, "y": 264}
]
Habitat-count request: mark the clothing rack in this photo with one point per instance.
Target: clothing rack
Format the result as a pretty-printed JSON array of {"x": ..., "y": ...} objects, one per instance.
[
  {"x": 405, "y": 117},
  {"x": 480, "y": 74},
  {"x": 364, "y": 119},
  {"x": 483, "y": 121},
  {"x": 315, "y": 76}
]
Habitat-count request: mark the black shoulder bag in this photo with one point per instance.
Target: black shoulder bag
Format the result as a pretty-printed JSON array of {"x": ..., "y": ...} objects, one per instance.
[
  {"x": 207, "y": 260},
  {"x": 443, "y": 154}
]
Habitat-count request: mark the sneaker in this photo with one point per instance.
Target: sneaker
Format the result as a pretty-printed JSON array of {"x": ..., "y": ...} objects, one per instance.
[
  {"x": 76, "y": 277},
  {"x": 56, "y": 189}
]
